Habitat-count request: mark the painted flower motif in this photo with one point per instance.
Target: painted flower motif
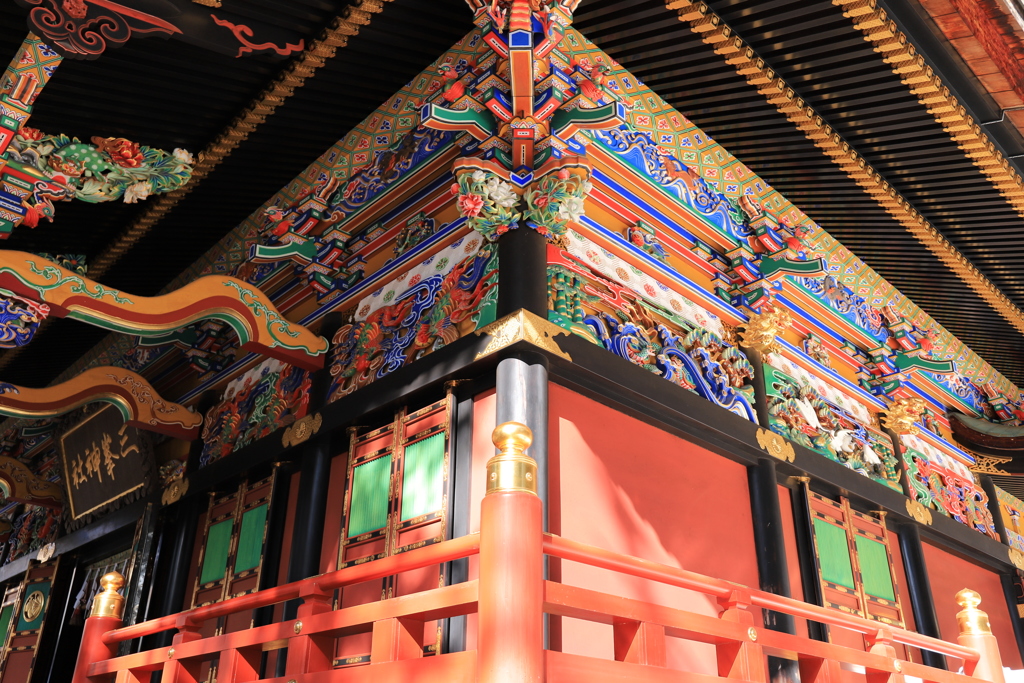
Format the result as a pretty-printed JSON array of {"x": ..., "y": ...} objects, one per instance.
[
  {"x": 676, "y": 306},
  {"x": 478, "y": 176},
  {"x": 540, "y": 201},
  {"x": 364, "y": 310},
  {"x": 502, "y": 194},
  {"x": 183, "y": 156},
  {"x": 470, "y": 205},
  {"x": 414, "y": 280},
  {"x": 121, "y": 151},
  {"x": 563, "y": 174},
  {"x": 136, "y": 191},
  {"x": 76, "y": 9},
  {"x": 571, "y": 209},
  {"x": 471, "y": 245},
  {"x": 650, "y": 290},
  {"x": 27, "y": 133}
]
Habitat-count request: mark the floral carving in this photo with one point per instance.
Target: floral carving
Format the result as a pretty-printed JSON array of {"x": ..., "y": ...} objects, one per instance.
[
  {"x": 487, "y": 202},
  {"x": 555, "y": 201}
]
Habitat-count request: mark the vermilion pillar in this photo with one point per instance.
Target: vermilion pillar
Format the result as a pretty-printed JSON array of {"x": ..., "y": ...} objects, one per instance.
[{"x": 511, "y": 634}]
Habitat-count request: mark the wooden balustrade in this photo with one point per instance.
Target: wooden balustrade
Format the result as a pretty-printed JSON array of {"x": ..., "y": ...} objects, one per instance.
[{"x": 510, "y": 598}]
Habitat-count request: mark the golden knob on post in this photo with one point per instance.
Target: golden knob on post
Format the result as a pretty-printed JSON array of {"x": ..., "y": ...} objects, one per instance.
[
  {"x": 972, "y": 621},
  {"x": 511, "y": 469},
  {"x": 109, "y": 603}
]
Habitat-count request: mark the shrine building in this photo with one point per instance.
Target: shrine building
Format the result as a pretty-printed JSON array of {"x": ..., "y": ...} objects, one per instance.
[{"x": 512, "y": 341}]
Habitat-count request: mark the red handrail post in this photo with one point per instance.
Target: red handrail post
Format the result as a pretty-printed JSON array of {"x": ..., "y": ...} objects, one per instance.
[
  {"x": 511, "y": 633},
  {"x": 310, "y": 653},
  {"x": 741, "y": 659},
  {"x": 107, "y": 608},
  {"x": 976, "y": 633}
]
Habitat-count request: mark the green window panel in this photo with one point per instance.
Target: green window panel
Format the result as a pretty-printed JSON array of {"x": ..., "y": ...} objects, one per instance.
[
  {"x": 30, "y": 594},
  {"x": 833, "y": 554},
  {"x": 5, "y": 623},
  {"x": 215, "y": 559},
  {"x": 423, "y": 478},
  {"x": 874, "y": 568},
  {"x": 250, "y": 539},
  {"x": 369, "y": 506}
]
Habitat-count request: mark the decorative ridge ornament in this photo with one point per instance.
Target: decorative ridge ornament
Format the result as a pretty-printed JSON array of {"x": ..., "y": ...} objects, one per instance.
[
  {"x": 760, "y": 331},
  {"x": 301, "y": 430},
  {"x": 135, "y": 398},
  {"x": 920, "y": 513},
  {"x": 776, "y": 445},
  {"x": 902, "y": 414},
  {"x": 519, "y": 111},
  {"x": 260, "y": 327},
  {"x": 522, "y": 326}
]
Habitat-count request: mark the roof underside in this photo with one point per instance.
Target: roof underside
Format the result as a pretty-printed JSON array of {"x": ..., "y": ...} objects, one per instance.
[{"x": 169, "y": 94}]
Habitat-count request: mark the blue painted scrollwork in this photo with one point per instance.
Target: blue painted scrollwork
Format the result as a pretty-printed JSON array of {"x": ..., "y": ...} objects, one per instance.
[{"x": 698, "y": 361}]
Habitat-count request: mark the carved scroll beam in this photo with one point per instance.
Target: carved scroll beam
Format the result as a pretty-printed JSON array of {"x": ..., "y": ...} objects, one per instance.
[
  {"x": 19, "y": 484},
  {"x": 260, "y": 327},
  {"x": 138, "y": 401}
]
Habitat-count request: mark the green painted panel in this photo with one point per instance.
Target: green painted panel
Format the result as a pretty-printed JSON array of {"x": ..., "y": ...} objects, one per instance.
[
  {"x": 32, "y": 595},
  {"x": 874, "y": 568},
  {"x": 833, "y": 554},
  {"x": 5, "y": 622},
  {"x": 369, "y": 506},
  {"x": 423, "y": 479},
  {"x": 215, "y": 559},
  {"x": 250, "y": 539}
]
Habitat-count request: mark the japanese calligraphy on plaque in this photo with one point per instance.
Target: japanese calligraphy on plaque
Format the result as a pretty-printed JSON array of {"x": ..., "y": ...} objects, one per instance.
[{"x": 104, "y": 460}]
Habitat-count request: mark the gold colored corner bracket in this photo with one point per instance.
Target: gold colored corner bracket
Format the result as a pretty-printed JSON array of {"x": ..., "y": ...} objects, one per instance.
[{"x": 522, "y": 326}]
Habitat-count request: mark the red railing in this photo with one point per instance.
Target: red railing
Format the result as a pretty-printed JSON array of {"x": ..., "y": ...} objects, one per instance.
[{"x": 510, "y": 598}]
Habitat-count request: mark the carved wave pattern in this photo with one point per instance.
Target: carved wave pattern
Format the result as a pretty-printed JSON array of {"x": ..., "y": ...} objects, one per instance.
[{"x": 639, "y": 150}]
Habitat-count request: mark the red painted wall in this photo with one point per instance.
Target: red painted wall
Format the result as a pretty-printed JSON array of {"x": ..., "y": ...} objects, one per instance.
[
  {"x": 621, "y": 484},
  {"x": 948, "y": 574}
]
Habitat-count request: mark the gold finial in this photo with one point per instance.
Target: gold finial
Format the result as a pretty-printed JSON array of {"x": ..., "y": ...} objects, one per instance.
[
  {"x": 511, "y": 469},
  {"x": 109, "y": 603},
  {"x": 972, "y": 621}
]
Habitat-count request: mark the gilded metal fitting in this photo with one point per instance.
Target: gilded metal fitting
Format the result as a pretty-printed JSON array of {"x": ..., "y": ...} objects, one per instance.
[
  {"x": 972, "y": 621},
  {"x": 511, "y": 469},
  {"x": 109, "y": 603}
]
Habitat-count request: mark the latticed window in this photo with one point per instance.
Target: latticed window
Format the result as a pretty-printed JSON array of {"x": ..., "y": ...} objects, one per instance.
[
  {"x": 234, "y": 539},
  {"x": 854, "y": 564}
]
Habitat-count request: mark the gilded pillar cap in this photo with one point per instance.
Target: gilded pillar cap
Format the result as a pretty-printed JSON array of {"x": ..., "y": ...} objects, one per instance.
[
  {"x": 109, "y": 603},
  {"x": 511, "y": 469},
  {"x": 972, "y": 621}
]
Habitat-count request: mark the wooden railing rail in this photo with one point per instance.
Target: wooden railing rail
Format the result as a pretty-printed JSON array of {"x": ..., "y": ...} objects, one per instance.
[
  {"x": 673, "y": 576},
  {"x": 510, "y": 598},
  {"x": 437, "y": 553}
]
